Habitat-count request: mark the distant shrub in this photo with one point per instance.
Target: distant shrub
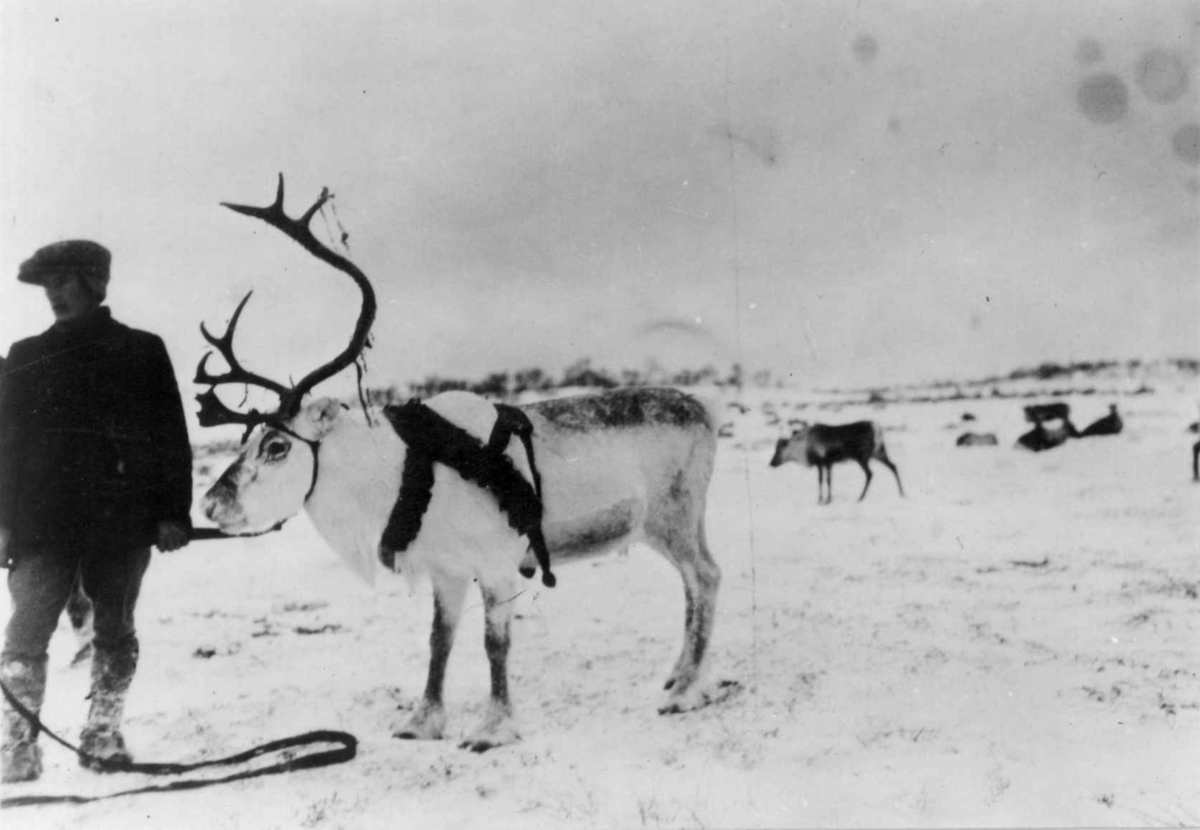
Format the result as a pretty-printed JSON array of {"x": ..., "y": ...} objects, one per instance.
[
  {"x": 433, "y": 385},
  {"x": 581, "y": 373},
  {"x": 531, "y": 380},
  {"x": 494, "y": 385}
]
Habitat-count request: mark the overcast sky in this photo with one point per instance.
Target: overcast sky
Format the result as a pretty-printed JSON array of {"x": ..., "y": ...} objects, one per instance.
[{"x": 857, "y": 192}]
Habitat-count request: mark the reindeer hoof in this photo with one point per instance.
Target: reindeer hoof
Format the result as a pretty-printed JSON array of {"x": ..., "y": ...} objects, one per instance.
[
  {"x": 423, "y": 726},
  {"x": 492, "y": 733},
  {"x": 696, "y": 698},
  {"x": 414, "y": 735}
]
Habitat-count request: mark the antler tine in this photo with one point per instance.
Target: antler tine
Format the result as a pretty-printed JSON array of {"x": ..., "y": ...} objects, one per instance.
[
  {"x": 275, "y": 216},
  {"x": 298, "y": 230},
  {"x": 237, "y": 373},
  {"x": 214, "y": 412}
]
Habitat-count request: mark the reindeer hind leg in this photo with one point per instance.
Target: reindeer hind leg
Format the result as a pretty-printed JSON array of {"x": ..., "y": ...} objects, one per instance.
[
  {"x": 80, "y": 613},
  {"x": 676, "y": 530},
  {"x": 498, "y": 727},
  {"x": 887, "y": 462}
]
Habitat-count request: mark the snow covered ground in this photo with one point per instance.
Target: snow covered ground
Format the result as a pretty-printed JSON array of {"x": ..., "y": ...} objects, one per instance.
[{"x": 1016, "y": 643}]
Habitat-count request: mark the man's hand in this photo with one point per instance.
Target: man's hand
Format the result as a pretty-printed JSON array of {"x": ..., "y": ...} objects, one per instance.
[{"x": 172, "y": 535}]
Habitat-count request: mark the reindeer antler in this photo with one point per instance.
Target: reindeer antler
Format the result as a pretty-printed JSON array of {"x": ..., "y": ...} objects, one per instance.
[
  {"x": 212, "y": 410},
  {"x": 236, "y": 373}
]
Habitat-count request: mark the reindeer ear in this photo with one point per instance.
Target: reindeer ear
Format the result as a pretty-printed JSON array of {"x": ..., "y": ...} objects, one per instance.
[{"x": 320, "y": 416}]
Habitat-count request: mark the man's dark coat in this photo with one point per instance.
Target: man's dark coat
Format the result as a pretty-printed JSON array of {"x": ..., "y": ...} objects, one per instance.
[{"x": 93, "y": 443}]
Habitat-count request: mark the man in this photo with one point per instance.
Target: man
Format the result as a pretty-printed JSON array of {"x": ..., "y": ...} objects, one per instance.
[{"x": 95, "y": 467}]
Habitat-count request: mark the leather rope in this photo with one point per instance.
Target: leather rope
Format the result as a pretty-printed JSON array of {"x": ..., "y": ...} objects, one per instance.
[{"x": 347, "y": 749}]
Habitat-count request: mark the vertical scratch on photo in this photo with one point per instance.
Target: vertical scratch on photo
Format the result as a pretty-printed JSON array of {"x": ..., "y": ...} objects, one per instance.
[{"x": 737, "y": 329}]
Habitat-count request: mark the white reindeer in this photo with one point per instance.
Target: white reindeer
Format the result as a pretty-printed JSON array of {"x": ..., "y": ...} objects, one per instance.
[
  {"x": 822, "y": 446},
  {"x": 627, "y": 466}
]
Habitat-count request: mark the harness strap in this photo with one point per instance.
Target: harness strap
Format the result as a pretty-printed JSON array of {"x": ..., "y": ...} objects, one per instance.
[
  {"x": 510, "y": 421},
  {"x": 346, "y": 751},
  {"x": 315, "y": 446},
  {"x": 431, "y": 438}
]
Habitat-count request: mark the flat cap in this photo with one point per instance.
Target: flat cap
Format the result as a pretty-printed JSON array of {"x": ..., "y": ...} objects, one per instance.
[{"x": 76, "y": 255}]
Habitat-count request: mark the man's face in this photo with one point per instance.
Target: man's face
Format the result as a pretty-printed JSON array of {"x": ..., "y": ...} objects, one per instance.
[{"x": 69, "y": 296}]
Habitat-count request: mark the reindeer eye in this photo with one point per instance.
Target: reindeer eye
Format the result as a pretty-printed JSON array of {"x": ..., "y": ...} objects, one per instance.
[{"x": 276, "y": 449}]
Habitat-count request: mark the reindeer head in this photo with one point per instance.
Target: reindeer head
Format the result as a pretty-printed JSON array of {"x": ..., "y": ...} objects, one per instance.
[
  {"x": 274, "y": 474},
  {"x": 277, "y": 469},
  {"x": 791, "y": 448}
]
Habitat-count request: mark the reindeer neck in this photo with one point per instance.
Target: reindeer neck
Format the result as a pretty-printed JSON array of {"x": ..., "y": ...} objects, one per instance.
[{"x": 353, "y": 497}]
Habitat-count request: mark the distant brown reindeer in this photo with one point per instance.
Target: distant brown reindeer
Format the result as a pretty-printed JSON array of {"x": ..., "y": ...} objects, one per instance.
[
  {"x": 1039, "y": 413},
  {"x": 977, "y": 439},
  {"x": 1110, "y": 424},
  {"x": 1042, "y": 438},
  {"x": 822, "y": 446},
  {"x": 79, "y": 612}
]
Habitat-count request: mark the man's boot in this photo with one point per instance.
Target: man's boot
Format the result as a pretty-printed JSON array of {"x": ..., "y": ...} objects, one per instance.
[
  {"x": 112, "y": 672},
  {"x": 20, "y": 755}
]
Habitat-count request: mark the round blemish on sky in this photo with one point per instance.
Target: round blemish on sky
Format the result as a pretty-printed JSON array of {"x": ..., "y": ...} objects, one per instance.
[
  {"x": 865, "y": 48},
  {"x": 895, "y": 126},
  {"x": 1187, "y": 143},
  {"x": 1161, "y": 75},
  {"x": 1089, "y": 51},
  {"x": 1103, "y": 98}
]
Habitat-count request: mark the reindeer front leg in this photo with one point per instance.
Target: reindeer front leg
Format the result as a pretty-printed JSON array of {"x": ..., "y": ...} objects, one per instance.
[
  {"x": 428, "y": 723},
  {"x": 498, "y": 727}
]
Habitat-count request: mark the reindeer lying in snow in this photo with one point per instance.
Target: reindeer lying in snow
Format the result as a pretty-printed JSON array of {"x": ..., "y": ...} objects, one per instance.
[
  {"x": 1110, "y": 424},
  {"x": 822, "y": 446},
  {"x": 1042, "y": 438},
  {"x": 626, "y": 466}
]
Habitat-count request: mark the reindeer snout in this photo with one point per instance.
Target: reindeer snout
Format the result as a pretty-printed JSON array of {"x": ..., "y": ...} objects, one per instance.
[{"x": 218, "y": 500}]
